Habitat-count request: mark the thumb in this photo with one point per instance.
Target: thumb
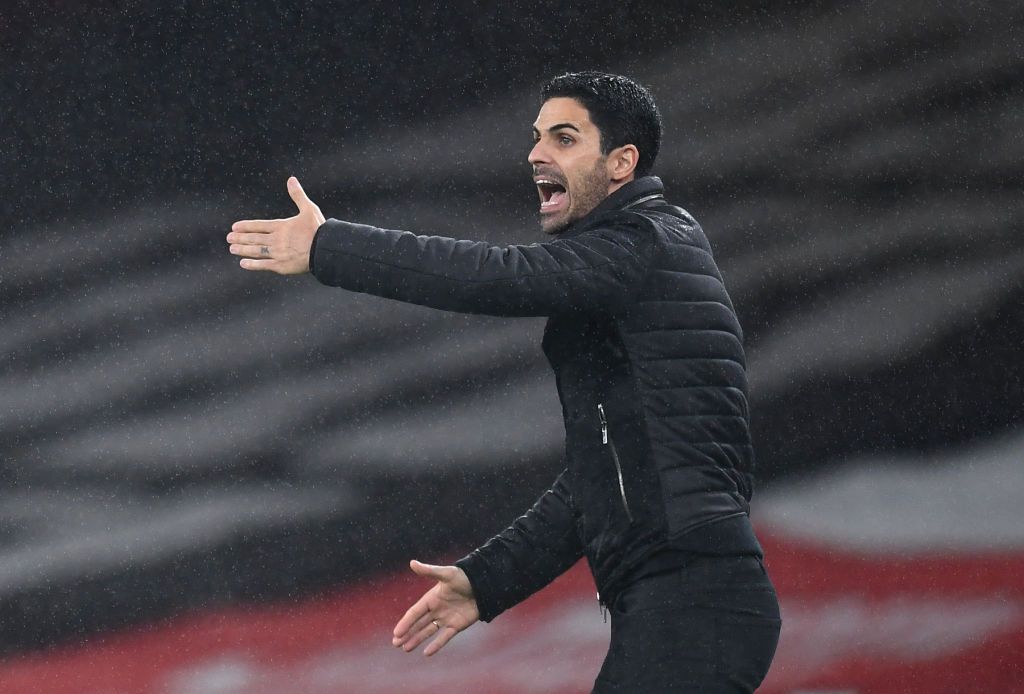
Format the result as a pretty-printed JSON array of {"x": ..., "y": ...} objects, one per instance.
[
  {"x": 429, "y": 570},
  {"x": 298, "y": 195}
]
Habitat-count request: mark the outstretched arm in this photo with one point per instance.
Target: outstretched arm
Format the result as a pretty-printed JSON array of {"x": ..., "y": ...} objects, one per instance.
[{"x": 597, "y": 269}]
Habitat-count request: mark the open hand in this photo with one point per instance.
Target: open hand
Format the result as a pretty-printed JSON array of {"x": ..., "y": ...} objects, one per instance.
[
  {"x": 445, "y": 610},
  {"x": 278, "y": 245}
]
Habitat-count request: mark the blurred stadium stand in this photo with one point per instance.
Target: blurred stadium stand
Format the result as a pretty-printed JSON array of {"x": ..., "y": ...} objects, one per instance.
[{"x": 176, "y": 434}]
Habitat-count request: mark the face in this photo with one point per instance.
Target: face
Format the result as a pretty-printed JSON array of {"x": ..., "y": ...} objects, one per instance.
[{"x": 571, "y": 174}]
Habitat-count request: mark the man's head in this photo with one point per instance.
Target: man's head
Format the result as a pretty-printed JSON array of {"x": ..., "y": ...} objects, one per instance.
[{"x": 595, "y": 132}]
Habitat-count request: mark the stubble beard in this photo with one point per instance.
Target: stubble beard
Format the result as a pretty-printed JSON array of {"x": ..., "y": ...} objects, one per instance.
[{"x": 587, "y": 194}]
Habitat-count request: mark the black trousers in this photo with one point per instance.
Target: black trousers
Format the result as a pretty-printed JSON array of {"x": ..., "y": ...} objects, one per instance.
[{"x": 711, "y": 626}]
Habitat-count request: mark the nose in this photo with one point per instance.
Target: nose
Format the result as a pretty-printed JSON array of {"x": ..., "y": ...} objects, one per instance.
[{"x": 538, "y": 155}]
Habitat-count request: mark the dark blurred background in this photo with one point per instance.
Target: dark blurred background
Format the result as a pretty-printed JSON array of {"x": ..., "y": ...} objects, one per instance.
[{"x": 176, "y": 433}]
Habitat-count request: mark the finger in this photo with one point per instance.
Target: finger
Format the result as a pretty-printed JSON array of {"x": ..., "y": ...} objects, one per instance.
[
  {"x": 419, "y": 636},
  {"x": 411, "y": 616},
  {"x": 298, "y": 195},
  {"x": 427, "y": 623},
  {"x": 257, "y": 265},
  {"x": 440, "y": 573},
  {"x": 262, "y": 251},
  {"x": 251, "y": 238},
  {"x": 444, "y": 636},
  {"x": 401, "y": 638},
  {"x": 259, "y": 226}
]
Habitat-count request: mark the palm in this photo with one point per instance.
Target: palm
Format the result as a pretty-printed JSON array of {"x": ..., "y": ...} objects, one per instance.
[{"x": 454, "y": 600}]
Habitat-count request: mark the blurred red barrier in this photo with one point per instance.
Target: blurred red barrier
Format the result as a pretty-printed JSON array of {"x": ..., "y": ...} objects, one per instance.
[{"x": 853, "y": 623}]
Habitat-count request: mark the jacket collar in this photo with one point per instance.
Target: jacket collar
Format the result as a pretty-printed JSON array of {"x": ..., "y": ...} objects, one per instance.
[{"x": 633, "y": 193}]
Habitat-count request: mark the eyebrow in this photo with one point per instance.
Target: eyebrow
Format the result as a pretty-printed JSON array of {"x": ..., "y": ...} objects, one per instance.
[{"x": 559, "y": 126}]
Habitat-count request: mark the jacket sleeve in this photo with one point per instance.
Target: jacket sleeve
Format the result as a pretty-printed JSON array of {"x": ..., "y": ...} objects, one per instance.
[
  {"x": 537, "y": 548},
  {"x": 597, "y": 269}
]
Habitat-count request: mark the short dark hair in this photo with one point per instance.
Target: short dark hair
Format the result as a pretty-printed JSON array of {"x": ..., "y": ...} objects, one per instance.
[{"x": 623, "y": 111}]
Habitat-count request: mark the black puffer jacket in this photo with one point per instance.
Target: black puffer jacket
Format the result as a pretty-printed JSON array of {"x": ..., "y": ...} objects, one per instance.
[{"x": 648, "y": 358}]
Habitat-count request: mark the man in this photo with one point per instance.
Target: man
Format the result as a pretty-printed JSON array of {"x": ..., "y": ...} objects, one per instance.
[{"x": 649, "y": 365}]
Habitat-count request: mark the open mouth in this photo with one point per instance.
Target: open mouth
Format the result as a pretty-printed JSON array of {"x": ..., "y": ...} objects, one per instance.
[{"x": 552, "y": 194}]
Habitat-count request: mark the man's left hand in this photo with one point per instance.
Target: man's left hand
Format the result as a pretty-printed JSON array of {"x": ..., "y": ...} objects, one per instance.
[
  {"x": 443, "y": 611},
  {"x": 278, "y": 245}
]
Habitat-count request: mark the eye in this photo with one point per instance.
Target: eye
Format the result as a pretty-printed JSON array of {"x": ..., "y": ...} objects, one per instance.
[{"x": 565, "y": 140}]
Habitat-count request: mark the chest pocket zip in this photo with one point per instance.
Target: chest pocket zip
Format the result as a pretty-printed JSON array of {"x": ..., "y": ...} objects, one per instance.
[{"x": 606, "y": 441}]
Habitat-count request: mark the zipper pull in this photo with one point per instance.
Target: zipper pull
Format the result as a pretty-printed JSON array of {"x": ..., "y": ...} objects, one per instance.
[{"x": 604, "y": 424}]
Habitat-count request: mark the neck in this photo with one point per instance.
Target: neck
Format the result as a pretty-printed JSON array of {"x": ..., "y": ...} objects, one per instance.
[{"x": 615, "y": 185}]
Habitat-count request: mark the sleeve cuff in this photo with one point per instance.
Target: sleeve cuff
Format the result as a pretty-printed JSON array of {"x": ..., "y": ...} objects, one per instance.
[
  {"x": 476, "y": 571},
  {"x": 312, "y": 250}
]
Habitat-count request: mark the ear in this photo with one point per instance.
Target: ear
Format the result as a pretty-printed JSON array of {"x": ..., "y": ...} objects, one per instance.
[{"x": 622, "y": 163}]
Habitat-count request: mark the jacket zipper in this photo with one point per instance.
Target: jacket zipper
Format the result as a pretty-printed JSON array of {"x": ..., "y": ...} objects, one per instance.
[{"x": 606, "y": 441}]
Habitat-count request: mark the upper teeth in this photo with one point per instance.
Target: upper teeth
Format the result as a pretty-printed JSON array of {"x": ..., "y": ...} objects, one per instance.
[{"x": 544, "y": 181}]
